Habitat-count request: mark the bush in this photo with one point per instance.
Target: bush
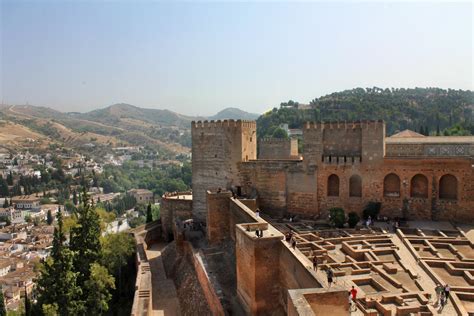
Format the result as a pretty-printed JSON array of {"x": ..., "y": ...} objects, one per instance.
[
  {"x": 338, "y": 217},
  {"x": 372, "y": 209},
  {"x": 353, "y": 219}
]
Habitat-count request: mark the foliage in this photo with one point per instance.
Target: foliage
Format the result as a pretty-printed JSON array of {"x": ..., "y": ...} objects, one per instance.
[
  {"x": 98, "y": 288},
  {"x": 432, "y": 108},
  {"x": 353, "y": 219},
  {"x": 279, "y": 133},
  {"x": 116, "y": 249},
  {"x": 456, "y": 130},
  {"x": 5, "y": 219},
  {"x": 162, "y": 179},
  {"x": 49, "y": 218},
  {"x": 338, "y": 217},
  {"x": 85, "y": 239},
  {"x": 3, "y": 309},
  {"x": 149, "y": 215},
  {"x": 372, "y": 209},
  {"x": 57, "y": 283}
]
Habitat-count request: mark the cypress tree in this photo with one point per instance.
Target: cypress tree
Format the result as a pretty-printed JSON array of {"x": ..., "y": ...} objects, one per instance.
[
  {"x": 49, "y": 218},
  {"x": 85, "y": 239},
  {"x": 3, "y": 309},
  {"x": 149, "y": 215},
  {"x": 57, "y": 283}
]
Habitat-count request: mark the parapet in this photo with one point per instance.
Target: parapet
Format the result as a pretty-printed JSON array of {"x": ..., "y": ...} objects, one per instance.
[
  {"x": 223, "y": 123},
  {"x": 363, "y": 124}
]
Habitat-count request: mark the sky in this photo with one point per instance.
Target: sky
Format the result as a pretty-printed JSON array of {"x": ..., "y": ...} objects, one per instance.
[{"x": 199, "y": 57}]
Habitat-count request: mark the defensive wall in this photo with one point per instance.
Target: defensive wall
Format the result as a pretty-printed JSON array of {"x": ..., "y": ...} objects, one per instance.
[
  {"x": 345, "y": 164},
  {"x": 175, "y": 205},
  {"x": 266, "y": 266},
  {"x": 278, "y": 148}
]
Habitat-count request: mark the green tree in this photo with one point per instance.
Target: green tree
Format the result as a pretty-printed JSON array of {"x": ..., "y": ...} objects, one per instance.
[
  {"x": 74, "y": 197},
  {"x": 57, "y": 282},
  {"x": 49, "y": 218},
  {"x": 352, "y": 219},
  {"x": 10, "y": 178},
  {"x": 338, "y": 217},
  {"x": 372, "y": 209},
  {"x": 85, "y": 239},
  {"x": 4, "y": 188},
  {"x": 149, "y": 215},
  {"x": 98, "y": 288},
  {"x": 3, "y": 309},
  {"x": 279, "y": 133},
  {"x": 117, "y": 249}
]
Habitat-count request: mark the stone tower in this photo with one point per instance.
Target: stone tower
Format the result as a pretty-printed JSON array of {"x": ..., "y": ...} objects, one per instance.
[{"x": 217, "y": 149}]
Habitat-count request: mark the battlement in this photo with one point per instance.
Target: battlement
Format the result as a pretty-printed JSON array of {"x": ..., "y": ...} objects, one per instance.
[
  {"x": 223, "y": 123},
  {"x": 274, "y": 140},
  {"x": 363, "y": 124}
]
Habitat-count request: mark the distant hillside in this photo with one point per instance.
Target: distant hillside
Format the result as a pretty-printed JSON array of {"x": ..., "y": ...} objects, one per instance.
[
  {"x": 117, "y": 112},
  {"x": 235, "y": 114},
  {"x": 122, "y": 124},
  {"x": 430, "y": 109}
]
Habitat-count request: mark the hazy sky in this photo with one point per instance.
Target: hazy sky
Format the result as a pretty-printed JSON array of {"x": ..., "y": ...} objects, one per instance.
[{"x": 200, "y": 57}]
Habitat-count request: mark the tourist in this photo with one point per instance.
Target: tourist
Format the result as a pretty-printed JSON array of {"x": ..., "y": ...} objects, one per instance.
[
  {"x": 257, "y": 213},
  {"x": 315, "y": 263},
  {"x": 439, "y": 292},
  {"x": 350, "y": 301},
  {"x": 329, "y": 275},
  {"x": 257, "y": 233},
  {"x": 293, "y": 244},
  {"x": 353, "y": 293},
  {"x": 288, "y": 237},
  {"x": 447, "y": 289}
]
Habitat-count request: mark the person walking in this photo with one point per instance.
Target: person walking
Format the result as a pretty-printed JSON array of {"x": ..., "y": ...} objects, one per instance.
[
  {"x": 293, "y": 244},
  {"x": 447, "y": 289},
  {"x": 315, "y": 263},
  {"x": 330, "y": 276},
  {"x": 439, "y": 290},
  {"x": 353, "y": 293}
]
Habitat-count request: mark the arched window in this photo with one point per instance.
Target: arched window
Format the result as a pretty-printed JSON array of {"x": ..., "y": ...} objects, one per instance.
[
  {"x": 355, "y": 186},
  {"x": 419, "y": 186},
  {"x": 333, "y": 185},
  {"x": 448, "y": 187},
  {"x": 391, "y": 185}
]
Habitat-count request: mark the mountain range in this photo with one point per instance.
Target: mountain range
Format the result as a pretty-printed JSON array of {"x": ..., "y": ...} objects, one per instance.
[{"x": 116, "y": 125}]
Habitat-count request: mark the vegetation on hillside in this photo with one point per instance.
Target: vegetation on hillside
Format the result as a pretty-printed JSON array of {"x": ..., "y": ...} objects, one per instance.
[{"x": 432, "y": 109}]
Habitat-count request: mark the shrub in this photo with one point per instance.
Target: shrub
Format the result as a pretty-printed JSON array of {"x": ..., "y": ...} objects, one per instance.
[
  {"x": 353, "y": 219},
  {"x": 372, "y": 209},
  {"x": 338, "y": 217}
]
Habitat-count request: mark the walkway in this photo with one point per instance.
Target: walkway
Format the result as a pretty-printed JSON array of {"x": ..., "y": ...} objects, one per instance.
[{"x": 165, "y": 298}]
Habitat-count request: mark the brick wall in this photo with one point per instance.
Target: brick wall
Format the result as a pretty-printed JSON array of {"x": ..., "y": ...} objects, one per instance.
[{"x": 276, "y": 148}]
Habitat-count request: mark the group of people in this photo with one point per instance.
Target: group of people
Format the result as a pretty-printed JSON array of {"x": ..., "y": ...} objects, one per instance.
[{"x": 442, "y": 294}]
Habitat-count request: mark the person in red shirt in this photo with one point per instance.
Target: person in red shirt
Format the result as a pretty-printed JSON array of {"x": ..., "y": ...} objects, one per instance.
[{"x": 353, "y": 293}]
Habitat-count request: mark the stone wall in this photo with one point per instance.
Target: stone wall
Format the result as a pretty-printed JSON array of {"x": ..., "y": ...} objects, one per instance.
[
  {"x": 217, "y": 148},
  {"x": 278, "y": 148},
  {"x": 174, "y": 206},
  {"x": 404, "y": 205},
  {"x": 281, "y": 186},
  {"x": 218, "y": 217}
]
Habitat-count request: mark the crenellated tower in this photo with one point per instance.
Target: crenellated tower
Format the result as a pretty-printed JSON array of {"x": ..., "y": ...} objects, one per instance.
[{"x": 217, "y": 148}]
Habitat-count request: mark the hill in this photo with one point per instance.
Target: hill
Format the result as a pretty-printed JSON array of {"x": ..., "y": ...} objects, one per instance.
[
  {"x": 235, "y": 114},
  {"x": 119, "y": 124},
  {"x": 427, "y": 109}
]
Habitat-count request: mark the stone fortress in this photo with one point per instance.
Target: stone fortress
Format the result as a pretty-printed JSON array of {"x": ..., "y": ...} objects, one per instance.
[
  {"x": 427, "y": 181},
  {"x": 344, "y": 164}
]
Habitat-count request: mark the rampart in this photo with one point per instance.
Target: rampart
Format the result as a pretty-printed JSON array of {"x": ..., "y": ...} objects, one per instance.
[
  {"x": 176, "y": 205},
  {"x": 266, "y": 267},
  {"x": 278, "y": 148}
]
